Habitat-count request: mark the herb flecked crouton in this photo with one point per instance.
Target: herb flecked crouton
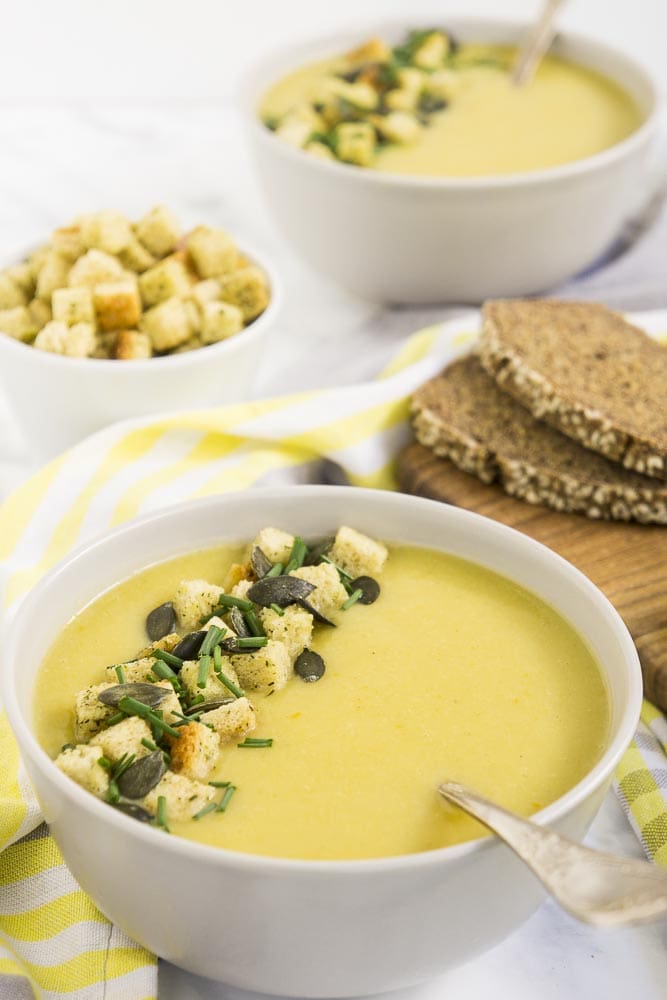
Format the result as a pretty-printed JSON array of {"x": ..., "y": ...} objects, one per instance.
[
  {"x": 194, "y": 600},
  {"x": 232, "y": 722},
  {"x": 195, "y": 752},
  {"x": 220, "y": 320},
  {"x": 82, "y": 764},
  {"x": 135, "y": 671},
  {"x": 167, "y": 324},
  {"x": 212, "y": 251},
  {"x": 171, "y": 707},
  {"x": 214, "y": 689},
  {"x": 275, "y": 544},
  {"x": 294, "y": 628},
  {"x": 265, "y": 669},
  {"x": 90, "y": 714},
  {"x": 18, "y": 323},
  {"x": 94, "y": 268},
  {"x": 358, "y": 554},
  {"x": 167, "y": 279},
  {"x": 124, "y": 737},
  {"x": 53, "y": 274},
  {"x": 107, "y": 230},
  {"x": 73, "y": 305},
  {"x": 158, "y": 231},
  {"x": 184, "y": 797},
  {"x": 131, "y": 345},
  {"x": 117, "y": 304},
  {"x": 329, "y": 594},
  {"x": 76, "y": 341},
  {"x": 11, "y": 294},
  {"x": 248, "y": 289}
]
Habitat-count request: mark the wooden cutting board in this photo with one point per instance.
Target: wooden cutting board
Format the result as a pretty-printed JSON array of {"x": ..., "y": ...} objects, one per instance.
[{"x": 626, "y": 561}]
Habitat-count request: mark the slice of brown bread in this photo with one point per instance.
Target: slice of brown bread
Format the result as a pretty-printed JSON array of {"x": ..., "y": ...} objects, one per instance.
[
  {"x": 583, "y": 369},
  {"x": 464, "y": 416}
]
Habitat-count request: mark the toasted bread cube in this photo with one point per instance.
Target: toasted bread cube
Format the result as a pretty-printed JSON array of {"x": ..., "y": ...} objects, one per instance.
[
  {"x": 444, "y": 83},
  {"x": 275, "y": 544},
  {"x": 359, "y": 95},
  {"x": 22, "y": 275},
  {"x": 94, "y": 268},
  {"x": 374, "y": 50},
  {"x": 184, "y": 797},
  {"x": 411, "y": 84},
  {"x": 227, "y": 630},
  {"x": 294, "y": 628},
  {"x": 212, "y": 251},
  {"x": 105, "y": 345},
  {"x": 136, "y": 257},
  {"x": 191, "y": 344},
  {"x": 171, "y": 707},
  {"x": 195, "y": 753},
  {"x": 68, "y": 242},
  {"x": 134, "y": 671},
  {"x": 76, "y": 341},
  {"x": 248, "y": 289},
  {"x": 82, "y": 764},
  {"x": 355, "y": 143},
  {"x": 194, "y": 318},
  {"x": 37, "y": 258},
  {"x": 194, "y": 600},
  {"x": 167, "y": 279},
  {"x": 167, "y": 324},
  {"x": 52, "y": 275},
  {"x": 232, "y": 722},
  {"x": 167, "y": 643},
  {"x": 220, "y": 320},
  {"x": 73, "y": 305},
  {"x": 108, "y": 231},
  {"x": 266, "y": 669},
  {"x": 159, "y": 231},
  {"x": 432, "y": 51},
  {"x": 131, "y": 345},
  {"x": 90, "y": 714},
  {"x": 203, "y": 292},
  {"x": 124, "y": 737},
  {"x": 398, "y": 126},
  {"x": 214, "y": 689},
  {"x": 18, "y": 323},
  {"x": 241, "y": 588},
  {"x": 236, "y": 573},
  {"x": 295, "y": 131},
  {"x": 319, "y": 150},
  {"x": 358, "y": 554},
  {"x": 117, "y": 305},
  {"x": 11, "y": 294},
  {"x": 330, "y": 594},
  {"x": 40, "y": 313}
]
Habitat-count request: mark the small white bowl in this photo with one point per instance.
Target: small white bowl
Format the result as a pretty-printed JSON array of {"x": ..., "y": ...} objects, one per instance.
[
  {"x": 57, "y": 401},
  {"x": 307, "y": 928},
  {"x": 407, "y": 239}
]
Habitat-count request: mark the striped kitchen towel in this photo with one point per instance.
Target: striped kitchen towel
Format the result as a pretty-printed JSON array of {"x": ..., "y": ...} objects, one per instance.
[{"x": 52, "y": 938}]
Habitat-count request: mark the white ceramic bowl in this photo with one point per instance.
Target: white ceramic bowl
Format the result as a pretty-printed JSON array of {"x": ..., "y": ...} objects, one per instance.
[
  {"x": 403, "y": 239},
  {"x": 57, "y": 401},
  {"x": 306, "y": 928}
]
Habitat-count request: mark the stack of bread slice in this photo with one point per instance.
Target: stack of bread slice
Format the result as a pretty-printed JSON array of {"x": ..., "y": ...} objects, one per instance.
[{"x": 563, "y": 404}]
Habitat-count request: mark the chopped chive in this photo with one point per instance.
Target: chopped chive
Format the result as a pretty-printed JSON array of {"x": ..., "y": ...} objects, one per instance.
[
  {"x": 205, "y": 811},
  {"x": 204, "y": 667},
  {"x": 217, "y": 658},
  {"x": 341, "y": 572},
  {"x": 251, "y": 742},
  {"x": 120, "y": 673},
  {"x": 197, "y": 700},
  {"x": 251, "y": 642},
  {"x": 150, "y": 745},
  {"x": 161, "y": 815},
  {"x": 229, "y": 684},
  {"x": 115, "y": 718},
  {"x": 165, "y": 673},
  {"x": 113, "y": 795},
  {"x": 276, "y": 570},
  {"x": 105, "y": 763},
  {"x": 172, "y": 661},
  {"x": 254, "y": 623},
  {"x": 353, "y": 598},
  {"x": 297, "y": 555},
  {"x": 130, "y": 706},
  {"x": 278, "y": 610},
  {"x": 220, "y": 784},
  {"x": 224, "y": 801},
  {"x": 213, "y": 636},
  {"x": 121, "y": 766},
  {"x": 228, "y": 601}
]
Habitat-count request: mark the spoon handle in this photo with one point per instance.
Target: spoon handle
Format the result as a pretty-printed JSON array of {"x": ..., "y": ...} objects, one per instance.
[
  {"x": 536, "y": 43},
  {"x": 595, "y": 887}
]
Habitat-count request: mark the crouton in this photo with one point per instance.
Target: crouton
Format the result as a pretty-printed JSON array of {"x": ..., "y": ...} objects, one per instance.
[
  {"x": 374, "y": 50},
  {"x": 131, "y": 345},
  {"x": 191, "y": 344},
  {"x": 136, "y": 257},
  {"x": 18, "y": 323},
  {"x": 330, "y": 594},
  {"x": 206, "y": 291},
  {"x": 40, "y": 312},
  {"x": 355, "y": 143},
  {"x": 90, "y": 714},
  {"x": 94, "y": 268},
  {"x": 195, "y": 752},
  {"x": 184, "y": 797},
  {"x": 53, "y": 274},
  {"x": 444, "y": 83},
  {"x": 67, "y": 241},
  {"x": 358, "y": 554},
  {"x": 431, "y": 53},
  {"x": 167, "y": 643},
  {"x": 405, "y": 97},
  {"x": 295, "y": 131},
  {"x": 275, "y": 544},
  {"x": 171, "y": 707},
  {"x": 124, "y": 737},
  {"x": 134, "y": 671},
  {"x": 11, "y": 294},
  {"x": 158, "y": 230},
  {"x": 236, "y": 573},
  {"x": 232, "y": 722},
  {"x": 167, "y": 279},
  {"x": 397, "y": 126},
  {"x": 37, "y": 258},
  {"x": 214, "y": 689},
  {"x": 266, "y": 669},
  {"x": 294, "y": 628},
  {"x": 82, "y": 764},
  {"x": 73, "y": 305},
  {"x": 241, "y": 588},
  {"x": 319, "y": 150},
  {"x": 108, "y": 231},
  {"x": 22, "y": 275},
  {"x": 220, "y": 320},
  {"x": 76, "y": 341},
  {"x": 194, "y": 600},
  {"x": 219, "y": 623},
  {"x": 167, "y": 324},
  {"x": 117, "y": 305},
  {"x": 359, "y": 95},
  {"x": 248, "y": 289},
  {"x": 212, "y": 251}
]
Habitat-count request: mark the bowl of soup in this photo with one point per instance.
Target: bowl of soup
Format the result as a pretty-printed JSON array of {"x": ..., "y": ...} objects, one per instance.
[
  {"x": 407, "y": 166},
  {"x": 332, "y": 866}
]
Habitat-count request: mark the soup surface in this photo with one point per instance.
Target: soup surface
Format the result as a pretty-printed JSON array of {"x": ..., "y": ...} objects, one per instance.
[
  {"x": 489, "y": 126},
  {"x": 454, "y": 672}
]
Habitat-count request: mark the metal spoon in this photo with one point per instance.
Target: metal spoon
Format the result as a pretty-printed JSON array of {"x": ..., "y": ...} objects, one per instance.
[
  {"x": 535, "y": 44},
  {"x": 601, "y": 889}
]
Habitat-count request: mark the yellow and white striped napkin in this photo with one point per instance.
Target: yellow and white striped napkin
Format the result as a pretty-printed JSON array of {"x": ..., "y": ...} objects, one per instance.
[{"x": 52, "y": 938}]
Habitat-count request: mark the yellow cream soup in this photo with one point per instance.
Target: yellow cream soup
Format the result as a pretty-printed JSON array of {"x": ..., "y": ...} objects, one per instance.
[
  {"x": 454, "y": 672},
  {"x": 491, "y": 126}
]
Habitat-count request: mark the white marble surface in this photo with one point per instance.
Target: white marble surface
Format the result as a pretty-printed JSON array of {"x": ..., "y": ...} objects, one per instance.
[{"x": 62, "y": 153}]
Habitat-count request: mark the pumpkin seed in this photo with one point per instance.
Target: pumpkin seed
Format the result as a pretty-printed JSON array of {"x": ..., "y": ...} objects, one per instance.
[
  {"x": 141, "y": 776},
  {"x": 317, "y": 550},
  {"x": 189, "y": 646},
  {"x": 161, "y": 621},
  {"x": 370, "y": 589},
  {"x": 280, "y": 590},
  {"x": 239, "y": 623},
  {"x": 148, "y": 694},
  {"x": 309, "y": 665},
  {"x": 133, "y": 810},
  {"x": 317, "y": 615},
  {"x": 260, "y": 562}
]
